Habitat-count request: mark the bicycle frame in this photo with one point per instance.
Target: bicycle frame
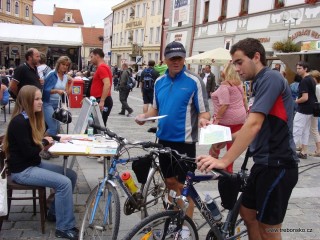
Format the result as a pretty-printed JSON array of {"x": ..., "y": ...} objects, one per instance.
[{"x": 189, "y": 190}]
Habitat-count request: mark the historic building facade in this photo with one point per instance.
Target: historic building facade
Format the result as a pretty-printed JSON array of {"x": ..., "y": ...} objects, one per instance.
[
  {"x": 136, "y": 32},
  {"x": 16, "y": 11}
]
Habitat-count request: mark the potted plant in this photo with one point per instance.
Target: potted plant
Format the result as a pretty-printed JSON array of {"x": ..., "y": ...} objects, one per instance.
[
  {"x": 221, "y": 18},
  {"x": 243, "y": 13},
  {"x": 285, "y": 46},
  {"x": 279, "y": 4},
  {"x": 311, "y": 1},
  {"x": 205, "y": 20}
]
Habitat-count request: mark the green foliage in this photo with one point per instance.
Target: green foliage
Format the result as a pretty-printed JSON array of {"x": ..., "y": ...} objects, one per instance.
[{"x": 285, "y": 46}]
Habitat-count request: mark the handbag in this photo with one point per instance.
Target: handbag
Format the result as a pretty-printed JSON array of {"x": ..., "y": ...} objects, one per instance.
[
  {"x": 62, "y": 114},
  {"x": 316, "y": 109},
  {"x": 3, "y": 195}
]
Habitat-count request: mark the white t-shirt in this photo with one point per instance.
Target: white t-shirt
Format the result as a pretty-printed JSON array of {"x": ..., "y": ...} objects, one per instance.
[{"x": 205, "y": 78}]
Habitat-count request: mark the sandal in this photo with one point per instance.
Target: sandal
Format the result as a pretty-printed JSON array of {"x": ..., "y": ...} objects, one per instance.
[
  {"x": 315, "y": 154},
  {"x": 302, "y": 156}
]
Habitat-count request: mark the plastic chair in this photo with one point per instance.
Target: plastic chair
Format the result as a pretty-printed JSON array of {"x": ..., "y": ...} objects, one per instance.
[{"x": 12, "y": 186}]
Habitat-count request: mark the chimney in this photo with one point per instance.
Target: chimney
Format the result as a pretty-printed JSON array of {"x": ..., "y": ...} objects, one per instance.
[{"x": 54, "y": 8}]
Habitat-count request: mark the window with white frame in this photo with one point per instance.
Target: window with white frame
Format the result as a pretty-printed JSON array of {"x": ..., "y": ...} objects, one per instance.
[
  {"x": 151, "y": 35},
  {"x": 27, "y": 11},
  {"x": 158, "y": 35},
  {"x": 149, "y": 56},
  {"x": 8, "y": 8},
  {"x": 144, "y": 9},
  {"x": 137, "y": 10},
  {"x": 160, "y": 6},
  {"x": 125, "y": 37},
  {"x": 121, "y": 38},
  {"x": 152, "y": 7},
  {"x": 122, "y": 16},
  {"x": 141, "y": 36},
  {"x": 127, "y": 14},
  {"x": 16, "y": 8},
  {"x": 136, "y": 35},
  {"x": 156, "y": 57}
]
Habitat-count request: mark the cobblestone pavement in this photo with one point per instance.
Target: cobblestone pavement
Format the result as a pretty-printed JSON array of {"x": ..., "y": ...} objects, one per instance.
[{"x": 302, "y": 219}]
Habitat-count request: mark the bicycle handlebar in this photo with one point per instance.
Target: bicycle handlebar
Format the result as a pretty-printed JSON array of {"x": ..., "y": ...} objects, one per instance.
[{"x": 104, "y": 129}]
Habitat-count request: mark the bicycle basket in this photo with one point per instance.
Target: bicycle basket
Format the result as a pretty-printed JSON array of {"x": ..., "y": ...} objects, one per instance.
[
  {"x": 141, "y": 168},
  {"x": 228, "y": 189}
]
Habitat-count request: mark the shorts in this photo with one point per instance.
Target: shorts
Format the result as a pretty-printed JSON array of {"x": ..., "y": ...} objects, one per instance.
[
  {"x": 268, "y": 191},
  {"x": 147, "y": 96},
  {"x": 169, "y": 166}
]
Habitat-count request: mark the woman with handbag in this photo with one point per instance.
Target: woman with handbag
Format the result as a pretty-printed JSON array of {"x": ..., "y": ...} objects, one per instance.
[
  {"x": 55, "y": 86},
  {"x": 22, "y": 145},
  {"x": 230, "y": 105}
]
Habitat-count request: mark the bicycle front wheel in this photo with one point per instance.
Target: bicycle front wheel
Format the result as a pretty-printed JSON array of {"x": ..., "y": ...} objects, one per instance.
[
  {"x": 163, "y": 225},
  {"x": 237, "y": 226},
  {"x": 106, "y": 217},
  {"x": 153, "y": 193}
]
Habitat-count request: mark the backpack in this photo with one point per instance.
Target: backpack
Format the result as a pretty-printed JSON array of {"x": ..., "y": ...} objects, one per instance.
[
  {"x": 148, "y": 81},
  {"x": 131, "y": 82},
  {"x": 5, "y": 97}
]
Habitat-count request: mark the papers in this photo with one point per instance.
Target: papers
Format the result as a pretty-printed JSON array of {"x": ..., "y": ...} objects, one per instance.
[
  {"x": 214, "y": 134},
  {"x": 150, "y": 118},
  {"x": 68, "y": 148}
]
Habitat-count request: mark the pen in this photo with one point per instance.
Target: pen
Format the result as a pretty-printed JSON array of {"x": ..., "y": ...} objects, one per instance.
[{"x": 70, "y": 142}]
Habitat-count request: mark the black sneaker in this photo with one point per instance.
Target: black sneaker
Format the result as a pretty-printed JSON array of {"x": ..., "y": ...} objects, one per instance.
[
  {"x": 72, "y": 233},
  {"x": 121, "y": 113}
]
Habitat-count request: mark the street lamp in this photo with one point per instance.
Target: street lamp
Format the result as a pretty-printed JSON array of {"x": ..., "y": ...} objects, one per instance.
[{"x": 287, "y": 17}]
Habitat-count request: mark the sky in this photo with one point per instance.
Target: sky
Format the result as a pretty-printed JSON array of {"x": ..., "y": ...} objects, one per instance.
[{"x": 93, "y": 11}]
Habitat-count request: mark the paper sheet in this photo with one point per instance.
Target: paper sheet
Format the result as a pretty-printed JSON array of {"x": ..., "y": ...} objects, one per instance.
[
  {"x": 214, "y": 134},
  {"x": 68, "y": 148}
]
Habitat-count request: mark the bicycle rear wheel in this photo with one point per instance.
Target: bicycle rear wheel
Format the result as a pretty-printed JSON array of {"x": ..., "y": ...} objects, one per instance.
[
  {"x": 153, "y": 193},
  {"x": 106, "y": 220},
  {"x": 163, "y": 225}
]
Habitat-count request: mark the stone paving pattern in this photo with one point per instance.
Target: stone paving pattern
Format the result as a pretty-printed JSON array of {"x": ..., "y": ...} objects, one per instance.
[{"x": 303, "y": 212}]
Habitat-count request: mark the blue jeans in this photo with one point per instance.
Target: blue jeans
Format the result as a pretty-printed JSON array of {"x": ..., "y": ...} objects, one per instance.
[
  {"x": 53, "y": 125},
  {"x": 51, "y": 175}
]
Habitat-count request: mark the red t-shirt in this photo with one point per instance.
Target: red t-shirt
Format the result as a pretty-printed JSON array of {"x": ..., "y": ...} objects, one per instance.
[{"x": 103, "y": 71}]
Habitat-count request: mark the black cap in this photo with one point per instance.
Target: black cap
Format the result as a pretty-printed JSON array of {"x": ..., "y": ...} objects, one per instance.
[{"x": 174, "y": 49}]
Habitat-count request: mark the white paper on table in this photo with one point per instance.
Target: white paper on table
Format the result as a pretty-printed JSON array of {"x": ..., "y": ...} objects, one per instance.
[
  {"x": 214, "y": 134},
  {"x": 150, "y": 118},
  {"x": 68, "y": 148}
]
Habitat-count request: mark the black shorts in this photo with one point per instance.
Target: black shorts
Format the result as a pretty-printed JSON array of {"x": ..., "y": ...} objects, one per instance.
[
  {"x": 147, "y": 96},
  {"x": 169, "y": 166},
  {"x": 268, "y": 191}
]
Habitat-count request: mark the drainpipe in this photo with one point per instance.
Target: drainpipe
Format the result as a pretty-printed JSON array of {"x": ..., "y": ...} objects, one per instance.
[
  {"x": 162, "y": 29},
  {"x": 193, "y": 29}
]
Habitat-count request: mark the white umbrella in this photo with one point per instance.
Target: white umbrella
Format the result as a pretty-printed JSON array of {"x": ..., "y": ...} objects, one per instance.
[{"x": 216, "y": 57}]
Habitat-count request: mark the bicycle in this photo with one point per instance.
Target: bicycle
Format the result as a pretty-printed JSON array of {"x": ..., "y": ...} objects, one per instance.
[
  {"x": 102, "y": 214},
  {"x": 170, "y": 224}
]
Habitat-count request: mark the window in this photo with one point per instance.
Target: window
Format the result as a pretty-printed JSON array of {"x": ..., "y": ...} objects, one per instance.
[
  {"x": 136, "y": 35},
  {"x": 16, "y": 8},
  {"x": 125, "y": 37},
  {"x": 151, "y": 35},
  {"x": 158, "y": 35},
  {"x": 142, "y": 36},
  {"x": 160, "y": 5},
  {"x": 138, "y": 11},
  {"x": 27, "y": 11},
  {"x": 8, "y": 6},
  {"x": 224, "y": 8},
  {"x": 156, "y": 57},
  {"x": 206, "y": 12},
  {"x": 122, "y": 16},
  {"x": 149, "y": 56},
  {"x": 244, "y": 7},
  {"x": 118, "y": 20},
  {"x": 127, "y": 15},
  {"x": 152, "y": 7},
  {"x": 144, "y": 9},
  {"x": 121, "y": 38}
]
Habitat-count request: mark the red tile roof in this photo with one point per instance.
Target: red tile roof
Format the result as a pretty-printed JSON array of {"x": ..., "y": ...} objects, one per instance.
[
  {"x": 45, "y": 19},
  {"x": 59, "y": 15},
  {"x": 91, "y": 36}
]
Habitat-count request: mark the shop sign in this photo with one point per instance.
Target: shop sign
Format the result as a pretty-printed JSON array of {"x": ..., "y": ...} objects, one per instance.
[
  {"x": 305, "y": 32},
  {"x": 134, "y": 24}
]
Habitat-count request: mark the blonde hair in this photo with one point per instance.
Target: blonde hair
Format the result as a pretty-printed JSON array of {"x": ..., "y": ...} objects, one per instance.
[
  {"x": 230, "y": 74},
  {"x": 25, "y": 102},
  {"x": 316, "y": 75},
  {"x": 63, "y": 60}
]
